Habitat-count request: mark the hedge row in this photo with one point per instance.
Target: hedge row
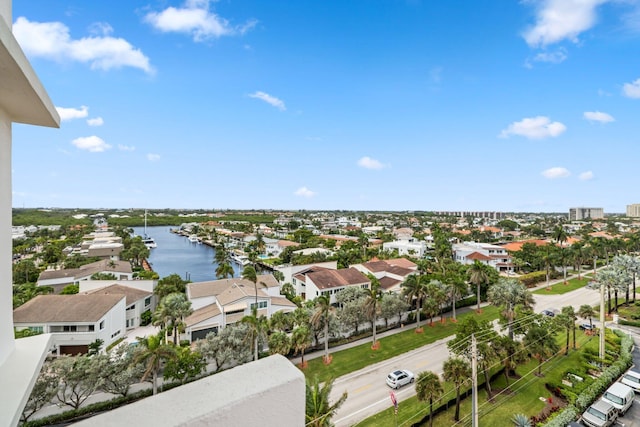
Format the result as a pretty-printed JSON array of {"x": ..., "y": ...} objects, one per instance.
[{"x": 595, "y": 389}]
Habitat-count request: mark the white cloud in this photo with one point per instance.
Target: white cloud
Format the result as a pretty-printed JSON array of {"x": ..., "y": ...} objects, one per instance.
[
  {"x": 126, "y": 147},
  {"x": 51, "y": 40},
  {"x": 153, "y": 157},
  {"x": 271, "y": 100},
  {"x": 553, "y": 57},
  {"x": 557, "y": 20},
  {"x": 534, "y": 128},
  {"x": 196, "y": 19},
  {"x": 96, "y": 121},
  {"x": 632, "y": 90},
  {"x": 598, "y": 116},
  {"x": 72, "y": 113},
  {"x": 304, "y": 192},
  {"x": 369, "y": 163},
  {"x": 585, "y": 176},
  {"x": 93, "y": 144},
  {"x": 556, "y": 172}
]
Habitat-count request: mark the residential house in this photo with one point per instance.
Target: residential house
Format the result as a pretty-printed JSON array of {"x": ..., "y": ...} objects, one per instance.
[
  {"x": 390, "y": 273},
  {"x": 318, "y": 281},
  {"x": 138, "y": 301},
  {"x": 407, "y": 246},
  {"x": 219, "y": 303},
  {"x": 75, "y": 321},
  {"x": 274, "y": 247},
  {"x": 58, "y": 279},
  {"x": 289, "y": 271},
  {"x": 493, "y": 255}
]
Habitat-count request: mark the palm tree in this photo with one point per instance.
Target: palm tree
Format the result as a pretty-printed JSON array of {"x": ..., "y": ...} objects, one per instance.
[
  {"x": 152, "y": 352},
  {"x": 456, "y": 287},
  {"x": 414, "y": 287},
  {"x": 563, "y": 322},
  {"x": 509, "y": 293},
  {"x": 560, "y": 236},
  {"x": 249, "y": 273},
  {"x": 571, "y": 315},
  {"x": 478, "y": 276},
  {"x": 587, "y": 312},
  {"x": 372, "y": 304},
  {"x": 428, "y": 387},
  {"x": 541, "y": 343},
  {"x": 320, "y": 317},
  {"x": 257, "y": 328},
  {"x": 300, "y": 340},
  {"x": 224, "y": 270},
  {"x": 279, "y": 343},
  {"x": 456, "y": 371},
  {"x": 509, "y": 351},
  {"x": 318, "y": 408},
  {"x": 177, "y": 307}
]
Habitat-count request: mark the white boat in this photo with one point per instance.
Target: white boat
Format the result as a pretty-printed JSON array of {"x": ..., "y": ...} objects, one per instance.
[
  {"x": 146, "y": 239},
  {"x": 240, "y": 259},
  {"x": 194, "y": 239}
]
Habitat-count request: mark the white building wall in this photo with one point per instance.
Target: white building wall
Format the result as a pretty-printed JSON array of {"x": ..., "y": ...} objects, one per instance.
[
  {"x": 144, "y": 285},
  {"x": 6, "y": 279}
]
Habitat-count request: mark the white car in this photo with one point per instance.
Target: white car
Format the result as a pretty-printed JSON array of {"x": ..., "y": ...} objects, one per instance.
[
  {"x": 632, "y": 379},
  {"x": 397, "y": 379}
]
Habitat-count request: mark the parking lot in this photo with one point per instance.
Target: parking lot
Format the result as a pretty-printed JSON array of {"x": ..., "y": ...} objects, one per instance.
[{"x": 632, "y": 417}]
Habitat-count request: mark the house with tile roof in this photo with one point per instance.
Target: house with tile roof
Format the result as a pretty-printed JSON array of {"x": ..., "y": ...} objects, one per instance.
[
  {"x": 218, "y": 303},
  {"x": 316, "y": 281},
  {"x": 58, "y": 279},
  {"x": 391, "y": 273},
  {"x": 75, "y": 321},
  {"x": 137, "y": 301},
  {"x": 492, "y": 255}
]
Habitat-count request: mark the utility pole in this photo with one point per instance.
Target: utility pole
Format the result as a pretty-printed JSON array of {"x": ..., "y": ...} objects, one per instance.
[
  {"x": 474, "y": 378},
  {"x": 601, "y": 351}
]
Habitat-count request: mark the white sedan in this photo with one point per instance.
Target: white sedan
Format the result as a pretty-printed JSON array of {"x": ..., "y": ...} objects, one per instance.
[{"x": 397, "y": 379}]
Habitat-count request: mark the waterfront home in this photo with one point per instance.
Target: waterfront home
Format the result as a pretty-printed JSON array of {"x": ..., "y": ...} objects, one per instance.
[
  {"x": 289, "y": 271},
  {"x": 75, "y": 321},
  {"x": 137, "y": 301},
  {"x": 318, "y": 281}
]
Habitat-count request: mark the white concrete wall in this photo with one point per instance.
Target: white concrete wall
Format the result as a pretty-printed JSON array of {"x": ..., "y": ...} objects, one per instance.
[
  {"x": 267, "y": 393},
  {"x": 90, "y": 285},
  {"x": 6, "y": 309}
]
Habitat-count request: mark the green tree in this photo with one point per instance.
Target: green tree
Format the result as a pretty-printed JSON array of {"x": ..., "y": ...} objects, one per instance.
[
  {"x": 587, "y": 312},
  {"x": 428, "y": 388},
  {"x": 44, "y": 390},
  {"x": 414, "y": 288},
  {"x": 257, "y": 328},
  {"x": 70, "y": 290},
  {"x": 227, "y": 347},
  {"x": 318, "y": 407},
  {"x": 456, "y": 371},
  {"x": 560, "y": 237},
  {"x": 152, "y": 353},
  {"x": 508, "y": 294},
  {"x": 392, "y": 304},
  {"x": 301, "y": 340},
  {"x": 170, "y": 284},
  {"x": 117, "y": 370},
  {"x": 25, "y": 271},
  {"x": 541, "y": 342},
  {"x": 320, "y": 319},
  {"x": 372, "y": 304},
  {"x": 478, "y": 276},
  {"x": 279, "y": 343},
  {"x": 187, "y": 365},
  {"x": 77, "y": 377}
]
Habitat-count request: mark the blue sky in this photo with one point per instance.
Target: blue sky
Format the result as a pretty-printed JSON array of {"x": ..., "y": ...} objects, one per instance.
[{"x": 502, "y": 105}]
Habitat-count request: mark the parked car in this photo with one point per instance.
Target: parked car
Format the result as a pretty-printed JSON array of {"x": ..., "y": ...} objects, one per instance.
[
  {"x": 632, "y": 379},
  {"x": 600, "y": 414},
  {"x": 620, "y": 396},
  {"x": 548, "y": 312},
  {"x": 587, "y": 326},
  {"x": 397, "y": 379}
]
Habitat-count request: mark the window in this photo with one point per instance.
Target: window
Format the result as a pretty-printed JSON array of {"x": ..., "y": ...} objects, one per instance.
[
  {"x": 36, "y": 329},
  {"x": 261, "y": 304},
  {"x": 102, "y": 325},
  {"x": 92, "y": 328},
  {"x": 147, "y": 301},
  {"x": 70, "y": 328},
  {"x": 131, "y": 307},
  {"x": 115, "y": 334}
]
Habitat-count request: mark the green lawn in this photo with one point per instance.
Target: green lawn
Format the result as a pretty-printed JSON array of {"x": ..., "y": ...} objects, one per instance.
[
  {"x": 352, "y": 359},
  {"x": 523, "y": 397},
  {"x": 561, "y": 288}
]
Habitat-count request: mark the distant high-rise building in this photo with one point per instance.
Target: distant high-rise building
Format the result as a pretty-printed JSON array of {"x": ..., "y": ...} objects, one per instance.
[
  {"x": 633, "y": 210},
  {"x": 576, "y": 214}
]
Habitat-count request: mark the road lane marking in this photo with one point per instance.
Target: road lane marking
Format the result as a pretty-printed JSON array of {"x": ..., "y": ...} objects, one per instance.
[{"x": 363, "y": 388}]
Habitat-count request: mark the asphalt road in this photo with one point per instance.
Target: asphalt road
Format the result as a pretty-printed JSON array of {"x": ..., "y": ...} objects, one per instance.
[{"x": 368, "y": 392}]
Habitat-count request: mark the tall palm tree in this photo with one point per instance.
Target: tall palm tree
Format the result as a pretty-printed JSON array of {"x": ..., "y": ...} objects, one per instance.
[
  {"x": 178, "y": 307},
  {"x": 320, "y": 317},
  {"x": 249, "y": 273},
  {"x": 587, "y": 312},
  {"x": 428, "y": 387},
  {"x": 152, "y": 352},
  {"x": 563, "y": 322},
  {"x": 301, "y": 340},
  {"x": 279, "y": 343},
  {"x": 318, "y": 408},
  {"x": 257, "y": 328},
  {"x": 561, "y": 237},
  {"x": 457, "y": 371},
  {"x": 224, "y": 270},
  {"x": 541, "y": 343},
  {"x": 414, "y": 288},
  {"x": 478, "y": 276},
  {"x": 508, "y": 294},
  {"x": 456, "y": 288},
  {"x": 372, "y": 304},
  {"x": 572, "y": 316}
]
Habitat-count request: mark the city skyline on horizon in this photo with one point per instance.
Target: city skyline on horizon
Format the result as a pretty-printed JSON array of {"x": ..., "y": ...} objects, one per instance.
[{"x": 356, "y": 106}]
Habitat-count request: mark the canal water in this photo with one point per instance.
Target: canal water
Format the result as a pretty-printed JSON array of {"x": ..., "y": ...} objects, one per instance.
[{"x": 176, "y": 255}]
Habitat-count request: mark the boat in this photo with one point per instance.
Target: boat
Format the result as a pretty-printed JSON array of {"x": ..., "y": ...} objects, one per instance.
[
  {"x": 146, "y": 239},
  {"x": 194, "y": 239},
  {"x": 241, "y": 260}
]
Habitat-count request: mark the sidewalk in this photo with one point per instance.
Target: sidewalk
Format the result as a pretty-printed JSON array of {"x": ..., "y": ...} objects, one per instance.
[{"x": 319, "y": 353}]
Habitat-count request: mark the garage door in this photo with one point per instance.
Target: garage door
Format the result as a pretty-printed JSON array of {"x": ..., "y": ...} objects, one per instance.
[
  {"x": 201, "y": 334},
  {"x": 74, "y": 349}
]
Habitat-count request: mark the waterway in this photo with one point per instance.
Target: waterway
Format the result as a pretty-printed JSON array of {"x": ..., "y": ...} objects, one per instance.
[{"x": 176, "y": 255}]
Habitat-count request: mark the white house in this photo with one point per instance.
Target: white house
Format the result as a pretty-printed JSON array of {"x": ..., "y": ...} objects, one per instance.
[
  {"x": 318, "y": 281},
  {"x": 75, "y": 321},
  {"x": 407, "y": 246},
  {"x": 390, "y": 273},
  {"x": 219, "y": 303},
  {"x": 289, "y": 270},
  {"x": 60, "y": 278},
  {"x": 493, "y": 255},
  {"x": 138, "y": 301}
]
